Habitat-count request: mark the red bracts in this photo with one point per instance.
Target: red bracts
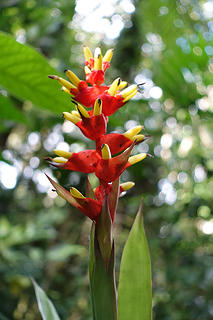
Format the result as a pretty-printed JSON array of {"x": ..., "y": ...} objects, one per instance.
[{"x": 111, "y": 155}]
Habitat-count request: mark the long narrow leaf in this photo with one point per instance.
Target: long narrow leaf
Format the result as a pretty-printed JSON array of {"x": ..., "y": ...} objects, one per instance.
[
  {"x": 104, "y": 287},
  {"x": 46, "y": 307},
  {"x": 135, "y": 292}
]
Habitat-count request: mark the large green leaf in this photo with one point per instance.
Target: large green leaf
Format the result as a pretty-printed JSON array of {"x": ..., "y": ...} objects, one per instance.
[
  {"x": 8, "y": 111},
  {"x": 46, "y": 307},
  {"x": 135, "y": 292},
  {"x": 24, "y": 73}
]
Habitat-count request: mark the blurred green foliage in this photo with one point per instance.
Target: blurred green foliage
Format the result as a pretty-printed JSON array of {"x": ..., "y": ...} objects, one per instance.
[{"x": 167, "y": 45}]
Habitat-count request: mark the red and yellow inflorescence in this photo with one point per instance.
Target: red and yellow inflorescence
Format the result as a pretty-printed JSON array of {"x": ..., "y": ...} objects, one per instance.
[{"x": 94, "y": 103}]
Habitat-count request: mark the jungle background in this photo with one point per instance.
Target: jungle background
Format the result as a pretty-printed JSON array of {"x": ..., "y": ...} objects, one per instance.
[{"x": 169, "y": 46}]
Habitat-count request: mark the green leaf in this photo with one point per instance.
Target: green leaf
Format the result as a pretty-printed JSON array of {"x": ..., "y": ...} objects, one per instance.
[
  {"x": 89, "y": 191},
  {"x": 24, "y": 73},
  {"x": 91, "y": 267},
  {"x": 8, "y": 111},
  {"x": 103, "y": 285},
  {"x": 135, "y": 286},
  {"x": 104, "y": 232},
  {"x": 46, "y": 307},
  {"x": 64, "y": 251},
  {"x": 113, "y": 197}
]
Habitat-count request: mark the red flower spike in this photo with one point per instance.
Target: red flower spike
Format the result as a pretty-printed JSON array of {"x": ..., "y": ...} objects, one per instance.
[
  {"x": 110, "y": 104},
  {"x": 90, "y": 63},
  {"x": 91, "y": 208},
  {"x": 109, "y": 170},
  {"x": 82, "y": 85},
  {"x": 83, "y": 161},
  {"x": 106, "y": 65},
  {"x": 117, "y": 142},
  {"x": 95, "y": 77},
  {"x": 101, "y": 190},
  {"x": 93, "y": 127},
  {"x": 87, "y": 96}
]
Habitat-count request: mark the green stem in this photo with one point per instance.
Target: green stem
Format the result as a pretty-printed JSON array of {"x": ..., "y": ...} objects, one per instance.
[{"x": 102, "y": 272}]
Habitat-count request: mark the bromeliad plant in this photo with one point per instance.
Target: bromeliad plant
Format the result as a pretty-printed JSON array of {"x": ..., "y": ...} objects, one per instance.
[{"x": 94, "y": 104}]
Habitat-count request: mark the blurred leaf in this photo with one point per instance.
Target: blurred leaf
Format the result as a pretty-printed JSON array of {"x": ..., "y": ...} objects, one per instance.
[
  {"x": 46, "y": 307},
  {"x": 8, "y": 111},
  {"x": 135, "y": 286},
  {"x": 2, "y": 317},
  {"x": 64, "y": 251},
  {"x": 24, "y": 73}
]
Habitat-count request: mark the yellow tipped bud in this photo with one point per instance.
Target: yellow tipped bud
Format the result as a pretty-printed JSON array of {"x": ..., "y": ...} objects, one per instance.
[
  {"x": 72, "y": 77},
  {"x": 63, "y": 82},
  {"x": 82, "y": 111},
  {"x": 139, "y": 137},
  {"x": 105, "y": 151},
  {"x": 126, "y": 92},
  {"x": 127, "y": 185},
  {"x": 98, "y": 59},
  {"x": 87, "y": 53},
  {"x": 87, "y": 70},
  {"x": 70, "y": 117},
  {"x": 130, "y": 96},
  {"x": 108, "y": 55},
  {"x": 114, "y": 87},
  {"x": 97, "y": 52},
  {"x": 64, "y": 154},
  {"x": 97, "y": 107},
  {"x": 76, "y": 114},
  {"x": 122, "y": 85},
  {"x": 132, "y": 132},
  {"x": 59, "y": 160},
  {"x": 65, "y": 90},
  {"x": 138, "y": 157},
  {"x": 76, "y": 194}
]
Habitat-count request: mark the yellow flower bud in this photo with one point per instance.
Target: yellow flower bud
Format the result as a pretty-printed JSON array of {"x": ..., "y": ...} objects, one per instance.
[
  {"x": 76, "y": 194},
  {"x": 127, "y": 185},
  {"x": 126, "y": 92},
  {"x": 137, "y": 158},
  {"x": 114, "y": 87},
  {"x": 59, "y": 160},
  {"x": 70, "y": 117},
  {"x": 82, "y": 111},
  {"x": 97, "y": 107},
  {"x": 105, "y": 151},
  {"x": 87, "y": 53},
  {"x": 72, "y": 77},
  {"x": 108, "y": 55},
  {"x": 64, "y": 154},
  {"x": 132, "y": 132},
  {"x": 63, "y": 82}
]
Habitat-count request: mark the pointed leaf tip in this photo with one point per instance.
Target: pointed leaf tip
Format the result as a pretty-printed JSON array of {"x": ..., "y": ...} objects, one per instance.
[{"x": 45, "y": 305}]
